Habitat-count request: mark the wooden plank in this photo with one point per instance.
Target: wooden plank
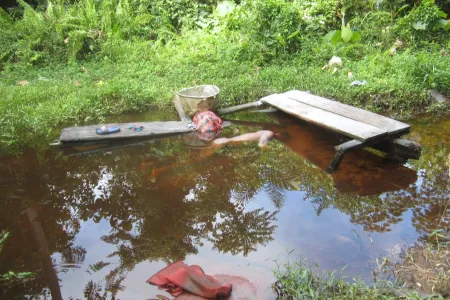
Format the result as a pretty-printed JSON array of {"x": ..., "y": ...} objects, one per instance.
[
  {"x": 343, "y": 125},
  {"x": 349, "y": 145},
  {"x": 151, "y": 129},
  {"x": 267, "y": 110},
  {"x": 317, "y": 147},
  {"x": 392, "y": 126},
  {"x": 341, "y": 150},
  {"x": 400, "y": 149},
  {"x": 81, "y": 147}
]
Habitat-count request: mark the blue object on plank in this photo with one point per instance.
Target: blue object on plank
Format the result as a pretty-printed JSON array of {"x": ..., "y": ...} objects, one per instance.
[{"x": 107, "y": 130}]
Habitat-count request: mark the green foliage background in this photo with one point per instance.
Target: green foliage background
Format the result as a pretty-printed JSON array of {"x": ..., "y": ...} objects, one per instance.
[{"x": 71, "y": 62}]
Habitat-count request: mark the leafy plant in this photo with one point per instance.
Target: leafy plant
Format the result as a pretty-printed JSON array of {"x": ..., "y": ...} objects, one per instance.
[
  {"x": 275, "y": 26},
  {"x": 79, "y": 28},
  {"x": 12, "y": 276},
  {"x": 420, "y": 21},
  {"x": 345, "y": 34}
]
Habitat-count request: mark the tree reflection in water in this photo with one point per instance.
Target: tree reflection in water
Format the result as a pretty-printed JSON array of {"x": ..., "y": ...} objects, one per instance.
[{"x": 163, "y": 200}]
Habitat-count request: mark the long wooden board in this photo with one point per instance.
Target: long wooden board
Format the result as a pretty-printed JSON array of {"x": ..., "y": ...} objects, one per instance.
[
  {"x": 390, "y": 125},
  {"x": 343, "y": 125},
  {"x": 84, "y": 134},
  {"x": 151, "y": 129}
]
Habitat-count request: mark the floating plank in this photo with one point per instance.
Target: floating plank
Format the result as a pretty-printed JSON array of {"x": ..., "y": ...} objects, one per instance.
[
  {"x": 343, "y": 125},
  {"x": 393, "y": 127},
  {"x": 83, "y": 134},
  {"x": 151, "y": 129}
]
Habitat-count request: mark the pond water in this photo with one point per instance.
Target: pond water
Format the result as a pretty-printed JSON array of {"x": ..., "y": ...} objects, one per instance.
[{"x": 109, "y": 216}]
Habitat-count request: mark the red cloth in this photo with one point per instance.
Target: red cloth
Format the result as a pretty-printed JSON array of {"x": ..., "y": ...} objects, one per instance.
[
  {"x": 178, "y": 277},
  {"x": 208, "y": 125}
]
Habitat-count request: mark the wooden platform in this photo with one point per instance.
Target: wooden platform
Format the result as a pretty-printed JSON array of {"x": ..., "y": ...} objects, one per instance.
[
  {"x": 151, "y": 129},
  {"x": 364, "y": 128},
  {"x": 361, "y": 172}
]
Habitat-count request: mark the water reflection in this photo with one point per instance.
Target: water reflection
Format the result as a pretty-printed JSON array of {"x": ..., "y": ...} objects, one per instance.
[
  {"x": 361, "y": 172},
  {"x": 160, "y": 201}
]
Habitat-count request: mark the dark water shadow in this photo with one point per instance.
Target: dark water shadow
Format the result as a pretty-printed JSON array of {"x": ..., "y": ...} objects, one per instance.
[{"x": 361, "y": 172}]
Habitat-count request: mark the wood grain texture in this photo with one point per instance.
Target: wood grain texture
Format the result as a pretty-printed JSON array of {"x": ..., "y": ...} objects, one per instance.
[
  {"x": 392, "y": 126},
  {"x": 151, "y": 129},
  {"x": 399, "y": 148},
  {"x": 340, "y": 124}
]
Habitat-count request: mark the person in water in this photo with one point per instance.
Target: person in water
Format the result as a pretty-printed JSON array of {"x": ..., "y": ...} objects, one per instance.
[
  {"x": 262, "y": 136},
  {"x": 209, "y": 126}
]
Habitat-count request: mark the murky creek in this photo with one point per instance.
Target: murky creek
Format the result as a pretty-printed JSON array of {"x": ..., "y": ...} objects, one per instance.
[{"x": 112, "y": 215}]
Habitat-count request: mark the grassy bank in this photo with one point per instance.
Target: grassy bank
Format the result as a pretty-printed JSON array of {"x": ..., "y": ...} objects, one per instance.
[
  {"x": 69, "y": 63},
  {"x": 422, "y": 273}
]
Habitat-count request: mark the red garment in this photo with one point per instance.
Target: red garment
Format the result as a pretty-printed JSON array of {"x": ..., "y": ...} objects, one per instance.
[
  {"x": 178, "y": 277},
  {"x": 208, "y": 125}
]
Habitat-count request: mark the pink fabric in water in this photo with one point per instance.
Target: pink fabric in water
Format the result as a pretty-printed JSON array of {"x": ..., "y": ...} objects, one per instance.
[{"x": 178, "y": 277}]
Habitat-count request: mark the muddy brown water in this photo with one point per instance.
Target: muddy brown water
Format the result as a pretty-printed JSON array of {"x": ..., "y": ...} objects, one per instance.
[{"x": 101, "y": 219}]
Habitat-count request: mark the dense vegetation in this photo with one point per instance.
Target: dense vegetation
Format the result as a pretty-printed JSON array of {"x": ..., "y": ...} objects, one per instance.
[{"x": 70, "y": 62}]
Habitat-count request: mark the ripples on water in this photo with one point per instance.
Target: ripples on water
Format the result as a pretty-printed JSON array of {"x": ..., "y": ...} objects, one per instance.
[{"x": 107, "y": 216}]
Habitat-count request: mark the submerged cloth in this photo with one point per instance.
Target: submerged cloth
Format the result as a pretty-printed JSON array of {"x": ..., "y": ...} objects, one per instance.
[
  {"x": 209, "y": 125},
  {"x": 178, "y": 278}
]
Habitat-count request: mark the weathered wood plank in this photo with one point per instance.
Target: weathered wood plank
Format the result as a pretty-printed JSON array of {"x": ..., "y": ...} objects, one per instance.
[
  {"x": 151, "y": 129},
  {"x": 233, "y": 109},
  {"x": 361, "y": 172},
  {"x": 267, "y": 110},
  {"x": 343, "y": 125},
  {"x": 400, "y": 149},
  {"x": 252, "y": 124},
  {"x": 83, "y": 147},
  {"x": 392, "y": 126},
  {"x": 341, "y": 150}
]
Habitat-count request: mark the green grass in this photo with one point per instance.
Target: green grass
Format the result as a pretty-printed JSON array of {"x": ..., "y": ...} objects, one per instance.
[
  {"x": 11, "y": 277},
  {"x": 144, "y": 75},
  {"x": 137, "y": 63},
  {"x": 299, "y": 281}
]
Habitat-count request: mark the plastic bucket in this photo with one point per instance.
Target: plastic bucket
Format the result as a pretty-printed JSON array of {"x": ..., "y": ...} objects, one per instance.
[{"x": 199, "y": 98}]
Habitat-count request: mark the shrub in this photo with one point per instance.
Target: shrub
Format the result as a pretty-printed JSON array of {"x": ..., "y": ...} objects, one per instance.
[
  {"x": 70, "y": 31},
  {"x": 184, "y": 13},
  {"x": 421, "y": 21},
  {"x": 276, "y": 24}
]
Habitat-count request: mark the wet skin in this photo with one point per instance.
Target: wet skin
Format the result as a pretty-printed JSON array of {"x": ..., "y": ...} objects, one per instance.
[{"x": 262, "y": 136}]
